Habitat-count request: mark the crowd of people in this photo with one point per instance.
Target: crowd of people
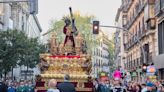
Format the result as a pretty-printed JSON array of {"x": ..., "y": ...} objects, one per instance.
[
  {"x": 116, "y": 84},
  {"x": 13, "y": 86}
]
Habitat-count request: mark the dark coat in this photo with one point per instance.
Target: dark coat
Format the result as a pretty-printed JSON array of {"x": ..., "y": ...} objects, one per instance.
[
  {"x": 3, "y": 87},
  {"x": 66, "y": 87}
]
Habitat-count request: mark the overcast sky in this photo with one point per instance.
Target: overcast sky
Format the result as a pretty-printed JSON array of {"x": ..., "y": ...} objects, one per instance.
[{"x": 103, "y": 10}]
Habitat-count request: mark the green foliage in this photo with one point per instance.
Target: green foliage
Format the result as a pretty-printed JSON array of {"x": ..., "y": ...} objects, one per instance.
[{"x": 17, "y": 49}]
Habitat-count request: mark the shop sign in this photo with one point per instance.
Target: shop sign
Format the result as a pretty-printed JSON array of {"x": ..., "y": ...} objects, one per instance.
[{"x": 151, "y": 70}]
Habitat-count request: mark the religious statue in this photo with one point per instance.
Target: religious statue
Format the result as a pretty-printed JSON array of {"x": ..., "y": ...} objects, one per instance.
[{"x": 69, "y": 30}]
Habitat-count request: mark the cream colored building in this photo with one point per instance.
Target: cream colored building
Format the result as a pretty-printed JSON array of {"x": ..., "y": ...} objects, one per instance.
[
  {"x": 138, "y": 18},
  {"x": 119, "y": 40},
  {"x": 100, "y": 55}
]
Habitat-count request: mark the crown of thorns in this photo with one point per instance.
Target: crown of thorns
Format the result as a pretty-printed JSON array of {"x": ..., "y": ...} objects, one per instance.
[{"x": 66, "y": 19}]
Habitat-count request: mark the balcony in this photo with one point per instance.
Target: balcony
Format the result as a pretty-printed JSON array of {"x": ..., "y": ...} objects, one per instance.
[
  {"x": 159, "y": 7},
  {"x": 136, "y": 15}
]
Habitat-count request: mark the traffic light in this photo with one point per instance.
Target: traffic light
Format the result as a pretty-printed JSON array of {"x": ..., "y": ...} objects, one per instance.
[{"x": 95, "y": 27}]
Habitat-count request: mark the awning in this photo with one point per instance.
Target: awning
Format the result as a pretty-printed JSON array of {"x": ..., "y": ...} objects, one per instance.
[{"x": 159, "y": 61}]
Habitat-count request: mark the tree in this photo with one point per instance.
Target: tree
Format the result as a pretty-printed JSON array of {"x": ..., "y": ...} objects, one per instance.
[
  {"x": 83, "y": 25},
  {"x": 17, "y": 49}
]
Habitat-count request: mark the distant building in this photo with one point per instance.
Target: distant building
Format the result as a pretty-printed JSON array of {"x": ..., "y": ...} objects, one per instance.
[
  {"x": 16, "y": 15},
  {"x": 100, "y": 55},
  {"x": 119, "y": 40}
]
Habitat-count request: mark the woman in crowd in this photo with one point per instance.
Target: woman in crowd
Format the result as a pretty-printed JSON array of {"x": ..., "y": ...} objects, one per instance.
[{"x": 52, "y": 86}]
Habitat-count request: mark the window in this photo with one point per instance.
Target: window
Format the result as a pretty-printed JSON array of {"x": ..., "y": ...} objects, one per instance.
[
  {"x": 161, "y": 38},
  {"x": 143, "y": 25},
  {"x": 162, "y": 4},
  {"x": 149, "y": 10}
]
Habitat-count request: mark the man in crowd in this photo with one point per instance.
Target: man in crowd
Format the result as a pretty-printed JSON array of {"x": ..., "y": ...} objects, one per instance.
[
  {"x": 3, "y": 87},
  {"x": 150, "y": 87},
  {"x": 66, "y": 86}
]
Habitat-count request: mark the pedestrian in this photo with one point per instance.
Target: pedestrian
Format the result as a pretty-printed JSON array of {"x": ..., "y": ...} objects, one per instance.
[
  {"x": 150, "y": 87},
  {"x": 11, "y": 87},
  {"x": 21, "y": 87},
  {"x": 138, "y": 88},
  {"x": 144, "y": 88},
  {"x": 66, "y": 86},
  {"x": 104, "y": 86},
  {"x": 52, "y": 86},
  {"x": 95, "y": 84},
  {"x": 29, "y": 87},
  {"x": 3, "y": 87},
  {"x": 117, "y": 87}
]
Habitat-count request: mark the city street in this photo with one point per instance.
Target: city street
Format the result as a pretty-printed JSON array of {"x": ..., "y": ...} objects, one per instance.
[{"x": 81, "y": 46}]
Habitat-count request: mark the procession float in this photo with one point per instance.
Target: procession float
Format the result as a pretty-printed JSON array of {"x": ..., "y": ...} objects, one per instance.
[{"x": 68, "y": 57}]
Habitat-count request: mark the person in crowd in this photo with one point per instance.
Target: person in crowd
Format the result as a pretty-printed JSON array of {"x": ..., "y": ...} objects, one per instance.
[
  {"x": 144, "y": 88},
  {"x": 95, "y": 84},
  {"x": 150, "y": 87},
  {"x": 104, "y": 86},
  {"x": 52, "y": 86},
  {"x": 11, "y": 87},
  {"x": 21, "y": 87},
  {"x": 66, "y": 86},
  {"x": 117, "y": 87},
  {"x": 138, "y": 88},
  {"x": 29, "y": 87},
  {"x": 3, "y": 87}
]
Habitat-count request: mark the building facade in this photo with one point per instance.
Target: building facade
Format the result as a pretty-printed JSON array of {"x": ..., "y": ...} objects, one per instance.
[
  {"x": 159, "y": 46},
  {"x": 100, "y": 55},
  {"x": 139, "y": 20},
  {"x": 16, "y": 15},
  {"x": 119, "y": 40}
]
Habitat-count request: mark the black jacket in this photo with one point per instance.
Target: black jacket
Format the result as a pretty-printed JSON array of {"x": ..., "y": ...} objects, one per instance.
[
  {"x": 3, "y": 87},
  {"x": 66, "y": 87}
]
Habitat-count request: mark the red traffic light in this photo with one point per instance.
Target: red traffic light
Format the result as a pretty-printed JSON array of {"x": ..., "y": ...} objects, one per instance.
[{"x": 95, "y": 27}]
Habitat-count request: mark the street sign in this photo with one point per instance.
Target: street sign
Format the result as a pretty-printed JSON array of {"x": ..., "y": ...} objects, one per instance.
[{"x": 151, "y": 70}]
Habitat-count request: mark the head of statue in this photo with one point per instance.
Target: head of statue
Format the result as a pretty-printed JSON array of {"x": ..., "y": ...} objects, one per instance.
[{"x": 67, "y": 21}]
